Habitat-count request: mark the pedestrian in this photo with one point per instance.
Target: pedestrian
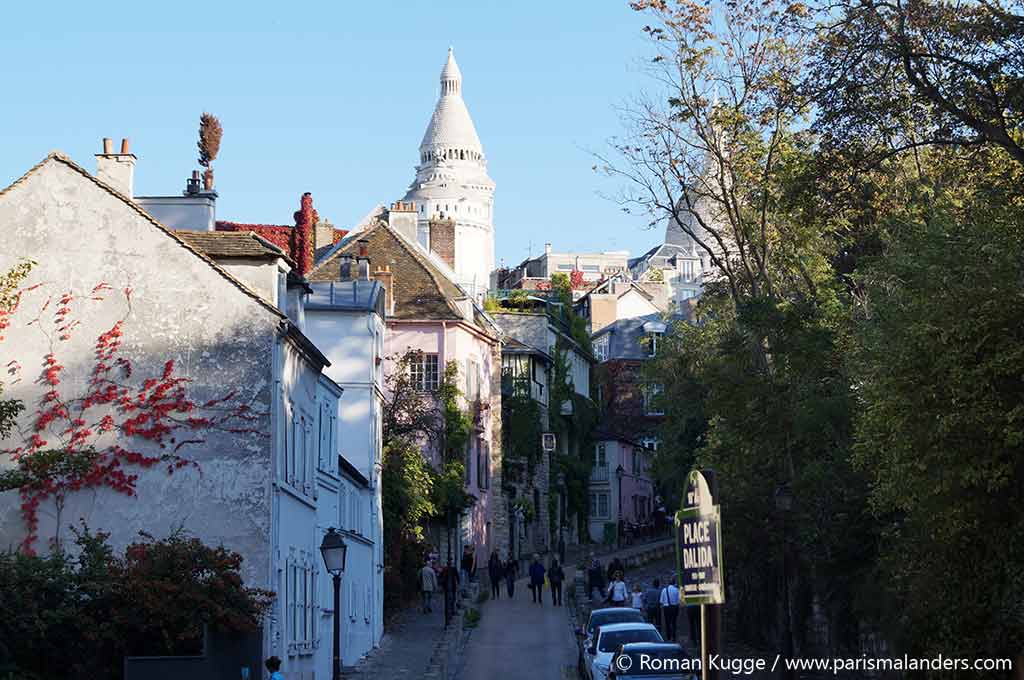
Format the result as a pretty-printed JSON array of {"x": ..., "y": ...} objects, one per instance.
[
  {"x": 595, "y": 577},
  {"x": 511, "y": 572},
  {"x": 617, "y": 591},
  {"x": 428, "y": 585},
  {"x": 670, "y": 609},
  {"x": 467, "y": 566},
  {"x": 494, "y": 573},
  {"x": 637, "y": 599},
  {"x": 537, "y": 579},
  {"x": 616, "y": 567},
  {"x": 652, "y": 605},
  {"x": 555, "y": 576},
  {"x": 273, "y": 665}
]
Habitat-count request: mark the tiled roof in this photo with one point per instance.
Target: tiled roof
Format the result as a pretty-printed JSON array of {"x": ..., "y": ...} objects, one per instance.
[
  {"x": 229, "y": 244},
  {"x": 421, "y": 290}
]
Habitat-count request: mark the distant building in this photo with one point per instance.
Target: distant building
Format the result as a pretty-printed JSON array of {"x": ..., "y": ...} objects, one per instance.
[
  {"x": 428, "y": 313},
  {"x": 532, "y": 340},
  {"x": 536, "y": 272}
]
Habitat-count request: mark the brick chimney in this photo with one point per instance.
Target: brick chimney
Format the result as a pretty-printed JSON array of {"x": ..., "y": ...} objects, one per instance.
[
  {"x": 386, "y": 280},
  {"x": 442, "y": 239},
  {"x": 302, "y": 236},
  {"x": 345, "y": 272},
  {"x": 117, "y": 169}
]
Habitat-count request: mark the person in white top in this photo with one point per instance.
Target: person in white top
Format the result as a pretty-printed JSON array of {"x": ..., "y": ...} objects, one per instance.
[
  {"x": 637, "y": 599},
  {"x": 670, "y": 609},
  {"x": 617, "y": 591}
]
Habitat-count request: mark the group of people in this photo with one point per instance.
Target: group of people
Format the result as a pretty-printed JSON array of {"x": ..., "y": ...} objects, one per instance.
[
  {"x": 660, "y": 604},
  {"x": 507, "y": 571}
]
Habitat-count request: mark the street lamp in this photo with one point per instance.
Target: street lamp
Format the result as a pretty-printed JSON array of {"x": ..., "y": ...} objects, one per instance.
[
  {"x": 619, "y": 473},
  {"x": 561, "y": 517},
  {"x": 783, "y": 504},
  {"x": 334, "y": 551}
]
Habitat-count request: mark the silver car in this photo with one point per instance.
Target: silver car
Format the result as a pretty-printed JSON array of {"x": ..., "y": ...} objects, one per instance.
[
  {"x": 609, "y": 638},
  {"x": 598, "y": 617}
]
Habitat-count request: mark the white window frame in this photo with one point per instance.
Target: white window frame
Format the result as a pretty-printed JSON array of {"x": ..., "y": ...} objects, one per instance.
[
  {"x": 424, "y": 371},
  {"x": 601, "y": 348}
]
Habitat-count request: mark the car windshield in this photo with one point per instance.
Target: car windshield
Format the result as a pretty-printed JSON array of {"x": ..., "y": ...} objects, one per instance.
[
  {"x": 622, "y": 615},
  {"x": 658, "y": 661},
  {"x": 611, "y": 641}
]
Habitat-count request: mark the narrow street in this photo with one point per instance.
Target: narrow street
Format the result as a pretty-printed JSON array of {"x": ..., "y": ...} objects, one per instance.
[{"x": 517, "y": 638}]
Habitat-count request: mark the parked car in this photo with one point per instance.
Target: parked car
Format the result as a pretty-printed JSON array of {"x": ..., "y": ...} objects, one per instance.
[
  {"x": 607, "y": 641},
  {"x": 584, "y": 636},
  {"x": 658, "y": 661}
]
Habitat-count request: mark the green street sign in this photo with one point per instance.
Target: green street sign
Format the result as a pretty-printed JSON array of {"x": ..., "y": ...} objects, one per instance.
[{"x": 698, "y": 524}]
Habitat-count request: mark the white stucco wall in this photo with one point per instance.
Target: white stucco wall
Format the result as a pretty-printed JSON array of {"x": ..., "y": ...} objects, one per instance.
[{"x": 181, "y": 309}]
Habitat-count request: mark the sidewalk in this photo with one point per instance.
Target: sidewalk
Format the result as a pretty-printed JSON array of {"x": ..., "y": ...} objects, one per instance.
[{"x": 406, "y": 649}]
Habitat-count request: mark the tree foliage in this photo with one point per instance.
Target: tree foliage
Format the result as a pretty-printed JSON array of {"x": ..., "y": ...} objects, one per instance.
[
  {"x": 853, "y": 175},
  {"x": 78, "y": 616}
]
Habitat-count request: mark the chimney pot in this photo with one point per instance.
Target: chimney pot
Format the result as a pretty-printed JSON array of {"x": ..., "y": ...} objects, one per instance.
[
  {"x": 346, "y": 267},
  {"x": 364, "y": 250},
  {"x": 108, "y": 145},
  {"x": 124, "y": 145}
]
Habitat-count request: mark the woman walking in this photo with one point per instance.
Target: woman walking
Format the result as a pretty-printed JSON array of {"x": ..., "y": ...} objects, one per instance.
[
  {"x": 494, "y": 573},
  {"x": 617, "y": 590}
]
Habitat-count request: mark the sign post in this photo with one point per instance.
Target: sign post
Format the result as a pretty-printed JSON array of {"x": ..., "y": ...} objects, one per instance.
[{"x": 700, "y": 573}]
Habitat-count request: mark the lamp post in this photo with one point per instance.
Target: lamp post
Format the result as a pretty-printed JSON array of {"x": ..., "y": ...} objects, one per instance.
[
  {"x": 334, "y": 551},
  {"x": 619, "y": 474},
  {"x": 561, "y": 517},
  {"x": 783, "y": 504}
]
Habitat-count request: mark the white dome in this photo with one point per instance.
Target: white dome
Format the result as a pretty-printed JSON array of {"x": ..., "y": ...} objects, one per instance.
[{"x": 451, "y": 126}]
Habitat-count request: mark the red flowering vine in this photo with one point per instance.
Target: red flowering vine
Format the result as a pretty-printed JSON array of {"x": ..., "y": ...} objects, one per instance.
[{"x": 92, "y": 439}]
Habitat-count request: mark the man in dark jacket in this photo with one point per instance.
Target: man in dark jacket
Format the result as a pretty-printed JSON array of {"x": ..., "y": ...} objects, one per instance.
[
  {"x": 555, "y": 577},
  {"x": 537, "y": 579},
  {"x": 652, "y": 605}
]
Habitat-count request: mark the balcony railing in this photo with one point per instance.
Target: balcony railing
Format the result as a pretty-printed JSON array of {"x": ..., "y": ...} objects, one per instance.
[{"x": 599, "y": 473}]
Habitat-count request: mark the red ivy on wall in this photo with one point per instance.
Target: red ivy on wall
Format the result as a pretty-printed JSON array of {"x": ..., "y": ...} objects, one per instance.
[
  {"x": 124, "y": 418},
  {"x": 576, "y": 279}
]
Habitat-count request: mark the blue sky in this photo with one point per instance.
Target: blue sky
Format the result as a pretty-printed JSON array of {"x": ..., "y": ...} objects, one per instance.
[{"x": 333, "y": 98}]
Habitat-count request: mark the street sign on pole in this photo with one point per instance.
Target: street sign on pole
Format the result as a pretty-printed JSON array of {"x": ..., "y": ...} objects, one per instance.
[
  {"x": 548, "y": 441},
  {"x": 699, "y": 545},
  {"x": 700, "y": 574}
]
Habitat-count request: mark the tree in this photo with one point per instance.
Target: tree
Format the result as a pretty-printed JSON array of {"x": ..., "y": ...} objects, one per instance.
[
  {"x": 894, "y": 76},
  {"x": 941, "y": 427},
  {"x": 79, "y": 616},
  {"x": 210, "y": 133}
]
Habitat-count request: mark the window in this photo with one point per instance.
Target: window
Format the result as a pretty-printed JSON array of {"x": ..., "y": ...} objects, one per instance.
[
  {"x": 566, "y": 267},
  {"x": 688, "y": 270},
  {"x": 301, "y": 606},
  {"x": 327, "y": 444},
  {"x": 483, "y": 465},
  {"x": 599, "y": 505},
  {"x": 637, "y": 461},
  {"x": 591, "y": 268},
  {"x": 650, "y": 443},
  {"x": 342, "y": 500},
  {"x": 423, "y": 369},
  {"x": 299, "y": 450},
  {"x": 470, "y": 453},
  {"x": 653, "y": 338},
  {"x": 601, "y": 348},
  {"x": 600, "y": 455},
  {"x": 652, "y": 399}
]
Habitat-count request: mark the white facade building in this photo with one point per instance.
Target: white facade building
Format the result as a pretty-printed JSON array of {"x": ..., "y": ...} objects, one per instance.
[{"x": 452, "y": 182}]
